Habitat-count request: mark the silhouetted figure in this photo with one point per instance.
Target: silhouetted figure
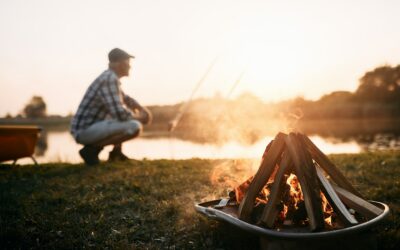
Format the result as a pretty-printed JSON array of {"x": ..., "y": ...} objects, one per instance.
[{"x": 106, "y": 115}]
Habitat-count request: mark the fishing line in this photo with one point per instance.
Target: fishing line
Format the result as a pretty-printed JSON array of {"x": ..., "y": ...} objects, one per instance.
[
  {"x": 222, "y": 110},
  {"x": 172, "y": 125}
]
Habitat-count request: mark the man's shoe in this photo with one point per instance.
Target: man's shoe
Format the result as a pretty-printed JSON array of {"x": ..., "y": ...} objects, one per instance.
[
  {"x": 90, "y": 155},
  {"x": 117, "y": 155}
]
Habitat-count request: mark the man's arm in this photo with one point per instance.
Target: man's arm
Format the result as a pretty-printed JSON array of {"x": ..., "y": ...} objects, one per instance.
[
  {"x": 130, "y": 102},
  {"x": 144, "y": 115},
  {"x": 110, "y": 94}
]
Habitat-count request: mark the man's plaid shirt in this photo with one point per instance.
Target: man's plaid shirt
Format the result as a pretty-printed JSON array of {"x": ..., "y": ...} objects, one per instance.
[{"x": 103, "y": 99}]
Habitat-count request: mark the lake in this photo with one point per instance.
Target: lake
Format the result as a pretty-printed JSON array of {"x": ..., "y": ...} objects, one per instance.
[{"x": 59, "y": 146}]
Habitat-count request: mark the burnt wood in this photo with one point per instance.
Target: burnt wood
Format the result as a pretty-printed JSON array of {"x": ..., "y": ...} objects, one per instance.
[
  {"x": 267, "y": 166},
  {"x": 297, "y": 153},
  {"x": 360, "y": 205},
  {"x": 307, "y": 176},
  {"x": 242, "y": 188},
  {"x": 334, "y": 200},
  {"x": 277, "y": 191},
  {"x": 328, "y": 166}
]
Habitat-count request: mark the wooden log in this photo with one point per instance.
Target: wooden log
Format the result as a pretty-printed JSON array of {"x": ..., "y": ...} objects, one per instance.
[
  {"x": 324, "y": 162},
  {"x": 267, "y": 148},
  {"x": 360, "y": 205},
  {"x": 307, "y": 176},
  {"x": 265, "y": 170},
  {"x": 241, "y": 190},
  {"x": 334, "y": 199},
  {"x": 277, "y": 191}
]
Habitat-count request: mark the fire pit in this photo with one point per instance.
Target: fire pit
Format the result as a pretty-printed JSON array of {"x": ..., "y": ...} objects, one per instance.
[{"x": 292, "y": 204}]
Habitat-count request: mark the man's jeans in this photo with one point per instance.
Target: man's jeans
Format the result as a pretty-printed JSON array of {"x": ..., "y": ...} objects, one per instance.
[{"x": 109, "y": 132}]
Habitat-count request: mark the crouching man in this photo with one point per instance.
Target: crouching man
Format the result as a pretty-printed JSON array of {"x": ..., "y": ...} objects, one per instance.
[{"x": 106, "y": 115}]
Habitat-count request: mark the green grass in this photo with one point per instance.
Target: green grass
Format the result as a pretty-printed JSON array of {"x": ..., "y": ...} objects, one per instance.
[{"x": 149, "y": 204}]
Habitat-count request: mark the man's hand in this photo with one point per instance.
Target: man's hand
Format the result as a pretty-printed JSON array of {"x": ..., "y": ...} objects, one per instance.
[{"x": 144, "y": 116}]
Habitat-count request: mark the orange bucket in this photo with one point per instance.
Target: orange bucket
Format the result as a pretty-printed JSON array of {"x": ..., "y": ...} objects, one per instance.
[{"x": 17, "y": 141}]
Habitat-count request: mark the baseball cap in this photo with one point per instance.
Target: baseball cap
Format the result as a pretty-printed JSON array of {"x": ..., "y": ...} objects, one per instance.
[{"x": 117, "y": 54}]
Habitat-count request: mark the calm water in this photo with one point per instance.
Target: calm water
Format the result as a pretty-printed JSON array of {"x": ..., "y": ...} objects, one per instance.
[{"x": 59, "y": 146}]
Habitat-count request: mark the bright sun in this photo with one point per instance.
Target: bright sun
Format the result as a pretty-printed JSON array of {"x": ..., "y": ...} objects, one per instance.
[{"x": 272, "y": 65}]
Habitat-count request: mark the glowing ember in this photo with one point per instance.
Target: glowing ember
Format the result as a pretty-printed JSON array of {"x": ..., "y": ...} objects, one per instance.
[
  {"x": 295, "y": 190},
  {"x": 274, "y": 197},
  {"x": 241, "y": 190},
  {"x": 292, "y": 210},
  {"x": 327, "y": 209},
  {"x": 263, "y": 197}
]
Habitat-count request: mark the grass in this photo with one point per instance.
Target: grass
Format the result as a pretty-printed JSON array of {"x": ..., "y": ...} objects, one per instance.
[{"x": 149, "y": 204}]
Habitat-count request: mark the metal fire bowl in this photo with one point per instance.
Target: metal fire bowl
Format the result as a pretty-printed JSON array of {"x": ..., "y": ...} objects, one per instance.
[{"x": 230, "y": 214}]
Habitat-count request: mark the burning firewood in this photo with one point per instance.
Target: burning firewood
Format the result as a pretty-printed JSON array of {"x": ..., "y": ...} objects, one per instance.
[
  {"x": 334, "y": 199},
  {"x": 290, "y": 188},
  {"x": 362, "y": 206},
  {"x": 306, "y": 173},
  {"x": 272, "y": 209},
  {"x": 241, "y": 190},
  {"x": 328, "y": 166},
  {"x": 270, "y": 159}
]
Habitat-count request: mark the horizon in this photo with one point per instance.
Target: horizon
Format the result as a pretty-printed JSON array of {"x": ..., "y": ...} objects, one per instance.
[
  {"x": 216, "y": 95},
  {"x": 55, "y": 49}
]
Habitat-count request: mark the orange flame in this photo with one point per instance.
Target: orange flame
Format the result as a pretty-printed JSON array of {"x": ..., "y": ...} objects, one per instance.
[
  {"x": 327, "y": 209},
  {"x": 295, "y": 189},
  {"x": 291, "y": 203}
]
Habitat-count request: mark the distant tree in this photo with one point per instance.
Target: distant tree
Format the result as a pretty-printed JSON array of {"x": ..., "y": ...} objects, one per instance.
[
  {"x": 335, "y": 98},
  {"x": 36, "y": 108},
  {"x": 8, "y": 116},
  {"x": 380, "y": 85},
  {"x": 300, "y": 102},
  {"x": 248, "y": 97}
]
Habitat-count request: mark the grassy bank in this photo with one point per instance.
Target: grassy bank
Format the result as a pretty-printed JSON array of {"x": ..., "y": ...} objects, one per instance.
[{"x": 149, "y": 204}]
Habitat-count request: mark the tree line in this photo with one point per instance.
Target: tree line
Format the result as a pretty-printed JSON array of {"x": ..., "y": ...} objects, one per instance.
[{"x": 378, "y": 95}]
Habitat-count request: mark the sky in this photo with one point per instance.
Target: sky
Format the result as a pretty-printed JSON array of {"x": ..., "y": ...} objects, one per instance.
[{"x": 55, "y": 49}]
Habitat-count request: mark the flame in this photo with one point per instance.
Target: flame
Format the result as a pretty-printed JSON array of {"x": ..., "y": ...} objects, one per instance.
[
  {"x": 263, "y": 197},
  {"x": 241, "y": 190},
  {"x": 293, "y": 207},
  {"x": 327, "y": 209},
  {"x": 328, "y": 220},
  {"x": 283, "y": 213},
  {"x": 295, "y": 189}
]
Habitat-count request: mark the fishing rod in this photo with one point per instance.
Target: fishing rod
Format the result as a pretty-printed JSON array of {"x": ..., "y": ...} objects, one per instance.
[
  {"x": 222, "y": 108},
  {"x": 235, "y": 84},
  {"x": 173, "y": 123},
  {"x": 233, "y": 87}
]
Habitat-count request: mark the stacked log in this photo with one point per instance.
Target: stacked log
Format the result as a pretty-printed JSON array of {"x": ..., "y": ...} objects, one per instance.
[{"x": 296, "y": 153}]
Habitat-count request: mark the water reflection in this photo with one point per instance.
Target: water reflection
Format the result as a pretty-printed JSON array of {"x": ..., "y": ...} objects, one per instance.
[
  {"x": 332, "y": 136},
  {"x": 59, "y": 146},
  {"x": 41, "y": 145}
]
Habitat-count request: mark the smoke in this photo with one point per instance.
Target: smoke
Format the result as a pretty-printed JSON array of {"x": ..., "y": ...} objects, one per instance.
[
  {"x": 228, "y": 174},
  {"x": 291, "y": 120},
  {"x": 245, "y": 119}
]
